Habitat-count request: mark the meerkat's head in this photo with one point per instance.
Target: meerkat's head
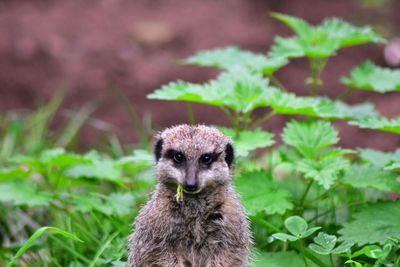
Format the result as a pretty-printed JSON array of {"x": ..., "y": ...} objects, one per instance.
[{"x": 196, "y": 157}]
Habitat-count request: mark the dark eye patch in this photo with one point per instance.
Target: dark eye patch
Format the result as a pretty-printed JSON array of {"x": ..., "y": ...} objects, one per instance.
[
  {"x": 208, "y": 158},
  {"x": 176, "y": 156}
]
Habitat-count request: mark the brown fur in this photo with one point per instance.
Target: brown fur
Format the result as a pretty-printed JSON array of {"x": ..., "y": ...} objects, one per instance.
[{"x": 208, "y": 228}]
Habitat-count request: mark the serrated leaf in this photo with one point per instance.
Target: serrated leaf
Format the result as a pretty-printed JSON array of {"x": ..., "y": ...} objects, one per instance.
[
  {"x": 114, "y": 204},
  {"x": 238, "y": 88},
  {"x": 284, "y": 237},
  {"x": 375, "y": 223},
  {"x": 395, "y": 166},
  {"x": 357, "y": 111},
  {"x": 379, "y": 123},
  {"x": 324, "y": 171},
  {"x": 100, "y": 169},
  {"x": 309, "y": 136},
  {"x": 247, "y": 141},
  {"x": 322, "y": 40},
  {"x": 378, "y": 158},
  {"x": 120, "y": 203},
  {"x": 369, "y": 176},
  {"x": 259, "y": 192},
  {"x": 58, "y": 157},
  {"x": 23, "y": 193},
  {"x": 228, "y": 57},
  {"x": 13, "y": 173},
  {"x": 139, "y": 155},
  {"x": 368, "y": 76},
  {"x": 296, "y": 225}
]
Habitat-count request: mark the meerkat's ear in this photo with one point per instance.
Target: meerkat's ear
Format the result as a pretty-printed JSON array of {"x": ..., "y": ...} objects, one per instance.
[
  {"x": 229, "y": 154},
  {"x": 158, "y": 149}
]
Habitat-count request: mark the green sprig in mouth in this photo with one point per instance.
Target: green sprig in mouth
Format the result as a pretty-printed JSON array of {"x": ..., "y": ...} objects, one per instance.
[{"x": 179, "y": 193}]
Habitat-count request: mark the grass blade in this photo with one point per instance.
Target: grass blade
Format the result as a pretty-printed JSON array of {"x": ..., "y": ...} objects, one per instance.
[{"x": 35, "y": 236}]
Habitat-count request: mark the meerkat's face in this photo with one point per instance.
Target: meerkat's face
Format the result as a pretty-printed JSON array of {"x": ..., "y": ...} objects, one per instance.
[{"x": 197, "y": 157}]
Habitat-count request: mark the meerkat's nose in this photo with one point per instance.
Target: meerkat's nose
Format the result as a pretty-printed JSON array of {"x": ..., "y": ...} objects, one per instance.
[{"x": 191, "y": 185}]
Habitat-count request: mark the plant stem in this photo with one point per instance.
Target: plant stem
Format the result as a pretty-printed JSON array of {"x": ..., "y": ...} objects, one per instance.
[
  {"x": 303, "y": 197},
  {"x": 276, "y": 82},
  {"x": 259, "y": 121},
  {"x": 228, "y": 114},
  {"x": 331, "y": 260},
  {"x": 265, "y": 223},
  {"x": 190, "y": 112},
  {"x": 302, "y": 253},
  {"x": 346, "y": 94},
  {"x": 316, "y": 67}
]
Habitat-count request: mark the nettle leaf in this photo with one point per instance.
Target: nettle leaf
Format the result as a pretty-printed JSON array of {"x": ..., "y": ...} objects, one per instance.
[
  {"x": 259, "y": 192},
  {"x": 322, "y": 40},
  {"x": 308, "y": 136},
  {"x": 357, "y": 111},
  {"x": 370, "y": 176},
  {"x": 100, "y": 169},
  {"x": 368, "y": 76},
  {"x": 378, "y": 158},
  {"x": 247, "y": 141},
  {"x": 238, "y": 88},
  {"x": 375, "y": 223},
  {"x": 325, "y": 171},
  {"x": 24, "y": 193},
  {"x": 228, "y": 57},
  {"x": 13, "y": 173},
  {"x": 58, "y": 157},
  {"x": 114, "y": 204},
  {"x": 280, "y": 259},
  {"x": 379, "y": 123},
  {"x": 395, "y": 166}
]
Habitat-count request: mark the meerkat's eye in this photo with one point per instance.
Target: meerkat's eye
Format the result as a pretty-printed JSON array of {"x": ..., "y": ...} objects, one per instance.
[
  {"x": 178, "y": 157},
  {"x": 206, "y": 159}
]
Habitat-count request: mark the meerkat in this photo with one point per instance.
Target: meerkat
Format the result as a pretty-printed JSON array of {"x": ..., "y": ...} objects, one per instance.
[{"x": 208, "y": 227}]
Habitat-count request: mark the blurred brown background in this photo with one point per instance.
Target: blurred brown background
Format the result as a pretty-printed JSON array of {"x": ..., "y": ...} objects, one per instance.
[{"x": 96, "y": 46}]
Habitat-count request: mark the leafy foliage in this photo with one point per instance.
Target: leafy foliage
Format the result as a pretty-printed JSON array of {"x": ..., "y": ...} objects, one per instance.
[
  {"x": 378, "y": 158},
  {"x": 368, "y": 76},
  {"x": 308, "y": 137},
  {"x": 379, "y": 123},
  {"x": 373, "y": 224},
  {"x": 238, "y": 88},
  {"x": 320, "y": 41},
  {"x": 369, "y": 176},
  {"x": 246, "y": 141},
  {"x": 259, "y": 192},
  {"x": 226, "y": 58},
  {"x": 324, "y": 171}
]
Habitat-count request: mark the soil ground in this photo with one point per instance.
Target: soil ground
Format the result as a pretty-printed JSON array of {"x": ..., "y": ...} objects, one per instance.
[{"x": 96, "y": 46}]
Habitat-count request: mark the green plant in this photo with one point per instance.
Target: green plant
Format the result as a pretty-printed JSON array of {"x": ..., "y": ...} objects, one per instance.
[
  {"x": 307, "y": 185},
  {"x": 310, "y": 202}
]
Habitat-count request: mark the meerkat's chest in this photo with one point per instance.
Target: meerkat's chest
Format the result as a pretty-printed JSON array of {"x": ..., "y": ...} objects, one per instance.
[{"x": 199, "y": 229}]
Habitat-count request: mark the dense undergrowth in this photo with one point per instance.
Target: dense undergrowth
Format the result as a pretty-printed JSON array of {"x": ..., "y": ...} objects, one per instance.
[{"x": 310, "y": 202}]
